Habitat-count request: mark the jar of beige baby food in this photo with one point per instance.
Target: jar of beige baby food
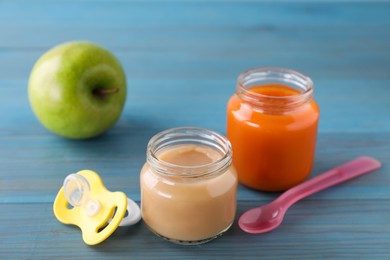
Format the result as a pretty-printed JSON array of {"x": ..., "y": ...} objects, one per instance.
[{"x": 188, "y": 185}]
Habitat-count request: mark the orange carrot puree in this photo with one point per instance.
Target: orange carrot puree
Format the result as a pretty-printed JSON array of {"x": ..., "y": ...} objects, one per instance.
[{"x": 273, "y": 150}]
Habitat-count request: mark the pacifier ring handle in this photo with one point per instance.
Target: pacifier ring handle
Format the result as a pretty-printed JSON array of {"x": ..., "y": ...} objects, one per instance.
[{"x": 133, "y": 214}]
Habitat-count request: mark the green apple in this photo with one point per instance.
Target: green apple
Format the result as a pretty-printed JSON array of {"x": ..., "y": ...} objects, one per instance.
[{"x": 77, "y": 89}]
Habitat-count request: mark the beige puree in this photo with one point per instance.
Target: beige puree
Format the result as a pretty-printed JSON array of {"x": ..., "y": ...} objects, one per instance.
[{"x": 188, "y": 209}]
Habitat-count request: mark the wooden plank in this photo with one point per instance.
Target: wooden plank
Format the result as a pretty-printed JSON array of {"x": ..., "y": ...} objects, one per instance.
[
  {"x": 192, "y": 66},
  {"x": 239, "y": 39},
  {"x": 152, "y": 103},
  {"x": 194, "y": 13},
  {"x": 311, "y": 230},
  {"x": 35, "y": 173},
  {"x": 336, "y": 61}
]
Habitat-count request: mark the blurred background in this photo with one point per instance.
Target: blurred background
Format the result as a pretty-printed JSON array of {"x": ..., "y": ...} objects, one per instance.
[
  {"x": 182, "y": 59},
  {"x": 194, "y": 51}
]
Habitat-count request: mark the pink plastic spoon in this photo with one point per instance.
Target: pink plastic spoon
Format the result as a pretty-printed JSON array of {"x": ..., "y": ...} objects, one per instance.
[{"x": 268, "y": 217}]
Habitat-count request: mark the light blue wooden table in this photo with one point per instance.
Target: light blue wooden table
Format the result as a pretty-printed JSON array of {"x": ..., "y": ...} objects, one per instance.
[{"x": 181, "y": 60}]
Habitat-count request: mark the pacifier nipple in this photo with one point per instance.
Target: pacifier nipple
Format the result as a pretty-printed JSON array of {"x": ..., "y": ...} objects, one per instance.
[{"x": 77, "y": 192}]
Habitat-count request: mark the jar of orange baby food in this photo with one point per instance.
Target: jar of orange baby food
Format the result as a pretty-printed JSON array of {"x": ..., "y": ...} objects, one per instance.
[
  {"x": 272, "y": 124},
  {"x": 188, "y": 185}
]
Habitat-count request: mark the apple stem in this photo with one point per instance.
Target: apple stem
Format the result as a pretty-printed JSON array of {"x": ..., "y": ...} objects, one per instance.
[{"x": 105, "y": 91}]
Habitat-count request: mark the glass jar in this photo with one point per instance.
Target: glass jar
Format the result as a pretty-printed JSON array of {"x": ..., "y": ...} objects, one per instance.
[
  {"x": 272, "y": 124},
  {"x": 188, "y": 185}
]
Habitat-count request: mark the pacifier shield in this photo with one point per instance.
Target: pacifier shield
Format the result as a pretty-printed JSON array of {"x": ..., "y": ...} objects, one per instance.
[{"x": 96, "y": 210}]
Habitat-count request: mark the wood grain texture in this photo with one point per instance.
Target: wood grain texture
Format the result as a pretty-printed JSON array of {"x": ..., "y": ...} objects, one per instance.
[
  {"x": 311, "y": 230},
  {"x": 182, "y": 59}
]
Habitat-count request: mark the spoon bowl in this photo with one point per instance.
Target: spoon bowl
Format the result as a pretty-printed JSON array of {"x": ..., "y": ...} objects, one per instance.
[
  {"x": 262, "y": 219},
  {"x": 268, "y": 217}
]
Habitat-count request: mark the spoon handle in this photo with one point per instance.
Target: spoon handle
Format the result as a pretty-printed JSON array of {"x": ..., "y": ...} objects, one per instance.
[{"x": 344, "y": 172}]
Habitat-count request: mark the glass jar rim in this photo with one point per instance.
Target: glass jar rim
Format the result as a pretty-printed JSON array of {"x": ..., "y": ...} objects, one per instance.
[
  {"x": 271, "y": 75},
  {"x": 189, "y": 135}
]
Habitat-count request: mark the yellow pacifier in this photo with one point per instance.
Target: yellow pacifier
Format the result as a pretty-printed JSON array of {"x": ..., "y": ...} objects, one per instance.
[{"x": 95, "y": 210}]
